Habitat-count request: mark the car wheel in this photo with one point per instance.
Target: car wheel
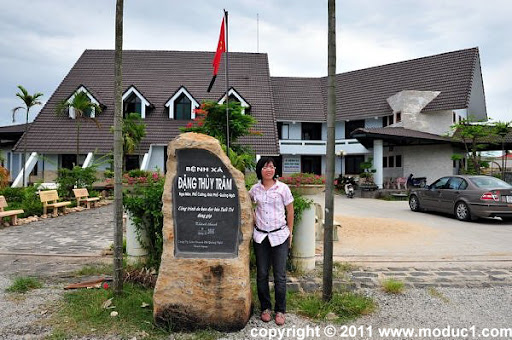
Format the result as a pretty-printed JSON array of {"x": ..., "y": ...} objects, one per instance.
[
  {"x": 414, "y": 203},
  {"x": 462, "y": 211}
]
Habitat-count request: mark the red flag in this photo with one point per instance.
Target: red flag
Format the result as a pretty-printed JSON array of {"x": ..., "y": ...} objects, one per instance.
[{"x": 221, "y": 48}]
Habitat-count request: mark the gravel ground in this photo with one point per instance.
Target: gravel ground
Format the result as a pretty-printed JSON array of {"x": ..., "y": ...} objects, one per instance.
[{"x": 22, "y": 316}]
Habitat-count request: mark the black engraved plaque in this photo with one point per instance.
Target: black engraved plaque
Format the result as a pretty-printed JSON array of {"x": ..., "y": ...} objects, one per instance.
[{"x": 206, "y": 207}]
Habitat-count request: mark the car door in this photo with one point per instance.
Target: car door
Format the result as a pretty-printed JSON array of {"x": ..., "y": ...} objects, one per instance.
[
  {"x": 433, "y": 194},
  {"x": 450, "y": 194}
]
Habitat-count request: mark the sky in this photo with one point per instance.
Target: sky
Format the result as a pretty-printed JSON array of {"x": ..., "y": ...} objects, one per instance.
[{"x": 41, "y": 40}]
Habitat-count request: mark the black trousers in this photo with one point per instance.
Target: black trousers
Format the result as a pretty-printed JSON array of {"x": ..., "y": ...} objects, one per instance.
[{"x": 267, "y": 255}]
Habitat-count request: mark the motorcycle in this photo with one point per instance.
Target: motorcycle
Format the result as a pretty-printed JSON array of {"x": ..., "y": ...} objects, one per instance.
[{"x": 349, "y": 187}]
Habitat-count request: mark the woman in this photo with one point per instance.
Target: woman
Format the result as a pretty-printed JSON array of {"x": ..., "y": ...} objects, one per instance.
[{"x": 272, "y": 236}]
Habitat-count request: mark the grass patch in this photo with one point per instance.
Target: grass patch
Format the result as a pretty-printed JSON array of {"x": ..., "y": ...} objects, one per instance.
[
  {"x": 95, "y": 269},
  {"x": 24, "y": 284},
  {"x": 344, "y": 266},
  {"x": 437, "y": 294},
  {"x": 393, "y": 286},
  {"x": 346, "y": 306},
  {"x": 81, "y": 313}
]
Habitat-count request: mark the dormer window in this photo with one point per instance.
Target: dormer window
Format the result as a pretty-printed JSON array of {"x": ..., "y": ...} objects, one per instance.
[
  {"x": 134, "y": 101},
  {"x": 182, "y": 105},
  {"x": 182, "y": 108},
  {"x": 90, "y": 113},
  {"x": 235, "y": 97}
]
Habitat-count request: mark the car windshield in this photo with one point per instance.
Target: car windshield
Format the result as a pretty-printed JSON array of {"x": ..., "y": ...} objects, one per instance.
[{"x": 490, "y": 183}]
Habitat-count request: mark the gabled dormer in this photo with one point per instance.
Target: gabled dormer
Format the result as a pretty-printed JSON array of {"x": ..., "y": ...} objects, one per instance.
[
  {"x": 134, "y": 101},
  {"x": 182, "y": 105},
  {"x": 235, "y": 96},
  {"x": 90, "y": 113}
]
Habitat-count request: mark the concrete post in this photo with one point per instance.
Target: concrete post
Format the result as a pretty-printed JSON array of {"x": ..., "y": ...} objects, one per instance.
[
  {"x": 303, "y": 246},
  {"x": 378, "y": 154},
  {"x": 134, "y": 248}
]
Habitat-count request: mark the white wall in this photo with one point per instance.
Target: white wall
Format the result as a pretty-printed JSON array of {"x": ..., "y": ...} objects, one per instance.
[
  {"x": 432, "y": 161},
  {"x": 340, "y": 130},
  {"x": 476, "y": 105},
  {"x": 156, "y": 162},
  {"x": 295, "y": 130},
  {"x": 436, "y": 122}
]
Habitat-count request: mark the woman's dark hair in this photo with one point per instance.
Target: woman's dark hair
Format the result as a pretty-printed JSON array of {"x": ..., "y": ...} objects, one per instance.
[{"x": 261, "y": 163}]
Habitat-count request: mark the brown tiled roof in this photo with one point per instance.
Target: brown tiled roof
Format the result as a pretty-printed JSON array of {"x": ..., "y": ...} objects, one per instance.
[
  {"x": 397, "y": 136},
  {"x": 362, "y": 94},
  {"x": 299, "y": 99},
  {"x": 156, "y": 75},
  {"x": 20, "y": 128}
]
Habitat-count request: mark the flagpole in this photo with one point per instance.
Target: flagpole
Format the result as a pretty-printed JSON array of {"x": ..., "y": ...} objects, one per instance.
[{"x": 226, "y": 64}]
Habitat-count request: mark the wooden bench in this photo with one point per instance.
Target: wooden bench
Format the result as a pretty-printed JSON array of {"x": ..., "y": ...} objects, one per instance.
[
  {"x": 82, "y": 196},
  {"x": 13, "y": 214},
  {"x": 50, "y": 198}
]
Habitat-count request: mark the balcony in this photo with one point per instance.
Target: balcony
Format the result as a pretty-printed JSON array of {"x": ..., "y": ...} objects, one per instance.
[{"x": 318, "y": 147}]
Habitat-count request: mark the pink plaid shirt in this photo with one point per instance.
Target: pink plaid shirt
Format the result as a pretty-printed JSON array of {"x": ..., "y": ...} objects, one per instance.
[{"x": 270, "y": 211}]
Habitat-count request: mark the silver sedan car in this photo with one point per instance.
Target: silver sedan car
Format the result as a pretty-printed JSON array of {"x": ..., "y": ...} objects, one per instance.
[{"x": 467, "y": 197}]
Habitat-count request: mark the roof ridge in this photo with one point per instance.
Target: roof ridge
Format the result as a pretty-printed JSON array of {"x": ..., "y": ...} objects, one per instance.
[{"x": 474, "y": 49}]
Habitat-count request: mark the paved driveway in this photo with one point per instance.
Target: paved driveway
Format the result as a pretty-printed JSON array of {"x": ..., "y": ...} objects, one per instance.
[{"x": 433, "y": 237}]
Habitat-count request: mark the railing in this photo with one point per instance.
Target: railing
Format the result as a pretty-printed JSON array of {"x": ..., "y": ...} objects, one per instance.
[{"x": 312, "y": 147}]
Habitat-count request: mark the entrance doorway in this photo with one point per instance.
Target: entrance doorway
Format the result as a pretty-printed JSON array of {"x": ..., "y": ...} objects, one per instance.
[{"x": 311, "y": 164}]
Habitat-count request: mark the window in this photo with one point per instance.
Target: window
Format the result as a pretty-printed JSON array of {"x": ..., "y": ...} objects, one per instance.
[
  {"x": 384, "y": 162},
  {"x": 182, "y": 105},
  {"x": 457, "y": 183},
  {"x": 132, "y": 104},
  {"x": 311, "y": 164},
  {"x": 398, "y": 161},
  {"x": 131, "y": 162},
  {"x": 182, "y": 108},
  {"x": 353, "y": 164},
  {"x": 391, "y": 161},
  {"x": 454, "y": 117},
  {"x": 387, "y": 120},
  {"x": 90, "y": 113},
  {"x": 283, "y": 130},
  {"x": 234, "y": 96},
  {"x": 68, "y": 161},
  {"x": 311, "y": 131},
  {"x": 352, "y": 125},
  {"x": 440, "y": 183},
  {"x": 398, "y": 117}
]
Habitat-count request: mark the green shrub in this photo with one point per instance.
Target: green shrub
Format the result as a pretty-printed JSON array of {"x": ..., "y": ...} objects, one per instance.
[
  {"x": 300, "y": 203},
  {"x": 78, "y": 177},
  {"x": 23, "y": 198},
  {"x": 144, "y": 203},
  {"x": 139, "y": 173}
]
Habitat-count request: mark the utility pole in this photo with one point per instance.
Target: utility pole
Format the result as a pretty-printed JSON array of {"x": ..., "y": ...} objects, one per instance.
[
  {"x": 329, "y": 180},
  {"x": 118, "y": 151}
]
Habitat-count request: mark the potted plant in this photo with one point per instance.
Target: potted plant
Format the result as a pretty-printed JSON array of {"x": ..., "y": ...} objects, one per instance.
[{"x": 366, "y": 176}]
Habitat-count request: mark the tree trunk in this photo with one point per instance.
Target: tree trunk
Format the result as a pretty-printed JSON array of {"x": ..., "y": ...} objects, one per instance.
[
  {"x": 329, "y": 180},
  {"x": 503, "y": 158},
  {"x": 77, "y": 140},
  {"x": 24, "y": 158},
  {"x": 118, "y": 152}
]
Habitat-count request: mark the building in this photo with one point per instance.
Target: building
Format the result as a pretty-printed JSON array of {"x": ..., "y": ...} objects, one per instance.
[{"x": 398, "y": 114}]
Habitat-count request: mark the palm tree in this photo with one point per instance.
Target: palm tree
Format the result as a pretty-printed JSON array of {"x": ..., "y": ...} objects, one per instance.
[
  {"x": 133, "y": 132},
  {"x": 118, "y": 150},
  {"x": 29, "y": 100},
  {"x": 82, "y": 106}
]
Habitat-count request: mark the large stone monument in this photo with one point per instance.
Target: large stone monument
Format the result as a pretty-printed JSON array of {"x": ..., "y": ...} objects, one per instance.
[{"x": 203, "y": 281}]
